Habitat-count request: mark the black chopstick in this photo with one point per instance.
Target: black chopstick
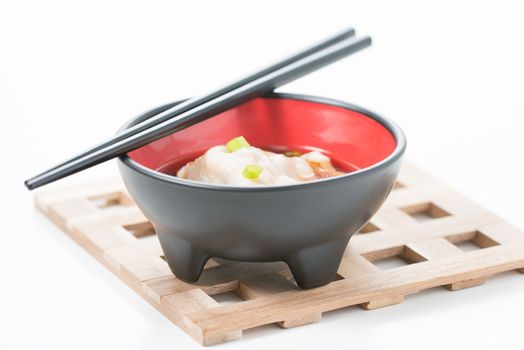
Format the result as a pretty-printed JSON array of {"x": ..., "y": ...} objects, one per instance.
[
  {"x": 243, "y": 93},
  {"x": 193, "y": 102}
]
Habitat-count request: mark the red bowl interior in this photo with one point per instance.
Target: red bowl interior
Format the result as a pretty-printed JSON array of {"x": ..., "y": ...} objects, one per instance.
[{"x": 352, "y": 139}]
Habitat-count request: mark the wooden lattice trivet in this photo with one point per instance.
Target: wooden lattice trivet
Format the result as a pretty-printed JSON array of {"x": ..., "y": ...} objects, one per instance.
[{"x": 423, "y": 224}]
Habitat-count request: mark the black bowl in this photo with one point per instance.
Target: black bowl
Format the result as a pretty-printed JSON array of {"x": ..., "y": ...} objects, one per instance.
[{"x": 307, "y": 225}]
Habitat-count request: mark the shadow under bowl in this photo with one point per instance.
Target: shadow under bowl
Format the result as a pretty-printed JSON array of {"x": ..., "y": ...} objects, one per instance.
[{"x": 307, "y": 225}]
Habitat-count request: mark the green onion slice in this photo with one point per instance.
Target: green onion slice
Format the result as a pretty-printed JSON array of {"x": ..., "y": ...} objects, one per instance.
[
  {"x": 237, "y": 143},
  {"x": 252, "y": 171}
]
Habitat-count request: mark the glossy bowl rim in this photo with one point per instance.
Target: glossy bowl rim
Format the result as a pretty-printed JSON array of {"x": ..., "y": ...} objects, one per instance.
[{"x": 391, "y": 126}]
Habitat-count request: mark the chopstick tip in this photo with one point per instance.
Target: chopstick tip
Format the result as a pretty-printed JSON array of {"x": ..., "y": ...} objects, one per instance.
[{"x": 28, "y": 185}]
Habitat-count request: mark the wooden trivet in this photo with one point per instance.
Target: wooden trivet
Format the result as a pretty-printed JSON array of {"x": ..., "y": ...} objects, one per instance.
[{"x": 426, "y": 235}]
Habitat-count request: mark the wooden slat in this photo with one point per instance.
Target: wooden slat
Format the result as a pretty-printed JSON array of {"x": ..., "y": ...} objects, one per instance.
[{"x": 433, "y": 249}]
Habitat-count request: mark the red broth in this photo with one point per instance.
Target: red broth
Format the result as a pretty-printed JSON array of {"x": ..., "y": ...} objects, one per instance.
[{"x": 173, "y": 166}]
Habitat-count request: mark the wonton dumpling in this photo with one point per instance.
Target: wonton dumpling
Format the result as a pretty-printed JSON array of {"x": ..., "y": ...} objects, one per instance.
[{"x": 221, "y": 166}]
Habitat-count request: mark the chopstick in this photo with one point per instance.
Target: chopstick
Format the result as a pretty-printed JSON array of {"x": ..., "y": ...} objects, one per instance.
[
  {"x": 255, "y": 88},
  {"x": 193, "y": 102}
]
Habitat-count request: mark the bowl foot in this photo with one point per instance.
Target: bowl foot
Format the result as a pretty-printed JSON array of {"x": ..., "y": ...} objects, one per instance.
[
  {"x": 317, "y": 265},
  {"x": 184, "y": 259}
]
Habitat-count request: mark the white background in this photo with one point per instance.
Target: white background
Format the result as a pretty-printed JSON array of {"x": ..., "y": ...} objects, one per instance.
[{"x": 449, "y": 72}]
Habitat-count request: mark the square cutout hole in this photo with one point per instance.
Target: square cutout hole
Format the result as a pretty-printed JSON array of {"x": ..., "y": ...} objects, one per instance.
[
  {"x": 425, "y": 211},
  {"x": 211, "y": 264},
  {"x": 398, "y": 185},
  {"x": 338, "y": 277},
  {"x": 227, "y": 298},
  {"x": 471, "y": 241},
  {"x": 141, "y": 230},
  {"x": 110, "y": 200},
  {"x": 393, "y": 258},
  {"x": 369, "y": 227}
]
